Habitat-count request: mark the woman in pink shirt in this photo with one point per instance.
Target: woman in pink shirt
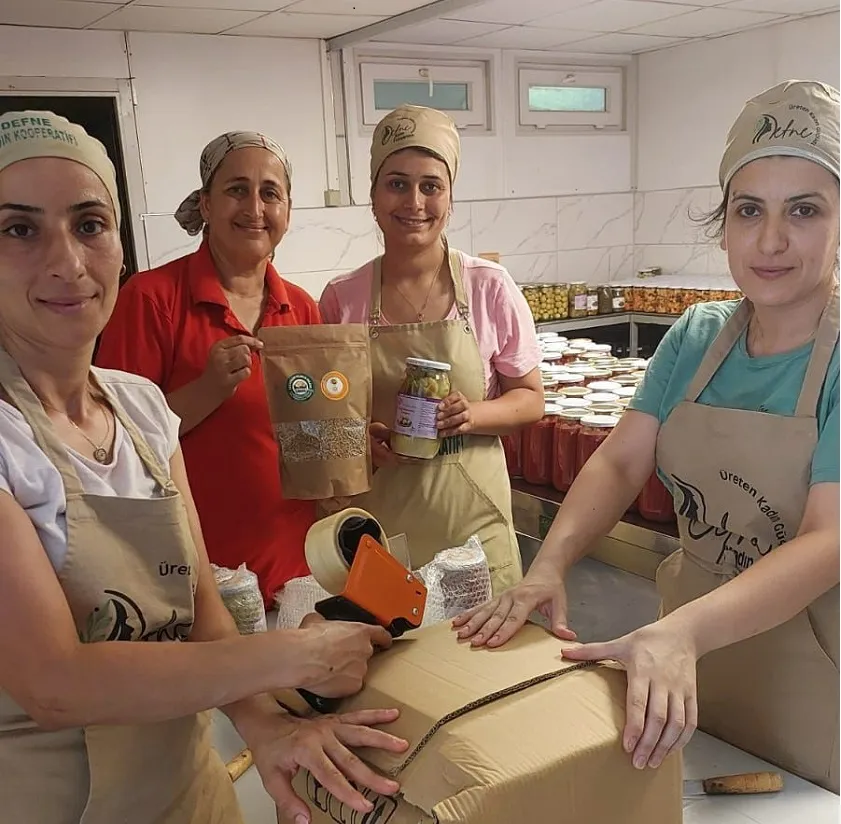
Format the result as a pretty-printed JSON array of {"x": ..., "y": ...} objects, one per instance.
[{"x": 424, "y": 300}]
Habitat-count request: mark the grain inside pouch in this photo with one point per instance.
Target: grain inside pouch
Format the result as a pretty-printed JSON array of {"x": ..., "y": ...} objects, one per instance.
[{"x": 318, "y": 382}]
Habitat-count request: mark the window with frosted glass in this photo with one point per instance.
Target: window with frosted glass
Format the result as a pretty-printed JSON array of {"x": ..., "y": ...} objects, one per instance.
[
  {"x": 567, "y": 99},
  {"x": 448, "y": 97}
]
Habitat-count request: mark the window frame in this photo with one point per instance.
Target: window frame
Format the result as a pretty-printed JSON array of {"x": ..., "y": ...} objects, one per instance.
[
  {"x": 474, "y": 73},
  {"x": 611, "y": 78}
]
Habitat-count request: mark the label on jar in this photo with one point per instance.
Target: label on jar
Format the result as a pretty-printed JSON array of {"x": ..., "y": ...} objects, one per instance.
[
  {"x": 580, "y": 302},
  {"x": 618, "y": 303},
  {"x": 592, "y": 303},
  {"x": 417, "y": 417}
]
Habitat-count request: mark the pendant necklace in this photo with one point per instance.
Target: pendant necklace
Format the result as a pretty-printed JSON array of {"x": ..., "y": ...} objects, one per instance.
[
  {"x": 100, "y": 453},
  {"x": 421, "y": 313}
]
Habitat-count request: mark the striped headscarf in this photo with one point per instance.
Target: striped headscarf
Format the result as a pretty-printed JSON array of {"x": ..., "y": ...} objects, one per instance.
[{"x": 188, "y": 213}]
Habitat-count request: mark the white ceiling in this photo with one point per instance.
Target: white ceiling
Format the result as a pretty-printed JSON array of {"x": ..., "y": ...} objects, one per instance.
[{"x": 592, "y": 26}]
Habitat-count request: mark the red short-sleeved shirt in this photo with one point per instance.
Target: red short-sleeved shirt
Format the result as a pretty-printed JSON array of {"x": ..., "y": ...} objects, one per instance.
[{"x": 163, "y": 326}]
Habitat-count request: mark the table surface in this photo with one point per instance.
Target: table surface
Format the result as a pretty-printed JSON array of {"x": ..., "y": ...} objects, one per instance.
[{"x": 704, "y": 757}]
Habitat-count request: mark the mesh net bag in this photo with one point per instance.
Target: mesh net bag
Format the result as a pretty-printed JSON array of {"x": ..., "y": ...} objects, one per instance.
[
  {"x": 297, "y": 599},
  {"x": 240, "y": 591},
  {"x": 456, "y": 579}
]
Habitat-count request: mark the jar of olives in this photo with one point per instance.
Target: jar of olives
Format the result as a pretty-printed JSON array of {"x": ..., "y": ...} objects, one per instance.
[{"x": 605, "y": 300}]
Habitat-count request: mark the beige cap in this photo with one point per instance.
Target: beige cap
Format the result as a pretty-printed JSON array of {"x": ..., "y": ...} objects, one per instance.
[
  {"x": 416, "y": 127},
  {"x": 798, "y": 118},
  {"x": 29, "y": 134}
]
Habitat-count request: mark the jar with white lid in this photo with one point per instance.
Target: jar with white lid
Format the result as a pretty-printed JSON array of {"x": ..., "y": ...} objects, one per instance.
[{"x": 594, "y": 429}]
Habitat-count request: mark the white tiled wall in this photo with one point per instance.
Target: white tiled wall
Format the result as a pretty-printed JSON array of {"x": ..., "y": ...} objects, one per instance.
[{"x": 598, "y": 238}]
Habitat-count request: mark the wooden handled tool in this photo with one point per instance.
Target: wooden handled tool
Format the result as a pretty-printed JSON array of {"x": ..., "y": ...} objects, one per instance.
[
  {"x": 239, "y": 764},
  {"x": 742, "y": 784}
]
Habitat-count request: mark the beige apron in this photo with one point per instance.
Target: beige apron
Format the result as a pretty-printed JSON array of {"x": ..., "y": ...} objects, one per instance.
[
  {"x": 130, "y": 575},
  {"x": 464, "y": 491},
  {"x": 741, "y": 480}
]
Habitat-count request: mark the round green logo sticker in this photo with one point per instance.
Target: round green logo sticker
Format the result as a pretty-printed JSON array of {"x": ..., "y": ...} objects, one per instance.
[{"x": 300, "y": 387}]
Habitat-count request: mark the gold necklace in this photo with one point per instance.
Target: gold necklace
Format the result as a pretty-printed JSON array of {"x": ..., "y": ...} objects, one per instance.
[
  {"x": 422, "y": 312},
  {"x": 100, "y": 453}
]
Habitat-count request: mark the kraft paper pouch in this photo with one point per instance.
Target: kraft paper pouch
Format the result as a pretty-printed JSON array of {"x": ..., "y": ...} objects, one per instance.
[{"x": 318, "y": 382}]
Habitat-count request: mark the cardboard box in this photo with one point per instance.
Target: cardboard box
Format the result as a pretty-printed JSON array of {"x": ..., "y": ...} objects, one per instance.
[{"x": 509, "y": 736}]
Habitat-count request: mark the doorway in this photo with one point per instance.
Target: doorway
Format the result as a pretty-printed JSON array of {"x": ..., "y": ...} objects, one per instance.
[{"x": 99, "y": 116}]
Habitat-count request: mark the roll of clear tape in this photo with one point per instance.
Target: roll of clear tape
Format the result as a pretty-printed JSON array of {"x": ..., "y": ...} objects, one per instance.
[{"x": 323, "y": 550}]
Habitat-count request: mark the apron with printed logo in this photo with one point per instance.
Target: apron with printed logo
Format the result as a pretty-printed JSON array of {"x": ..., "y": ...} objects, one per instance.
[
  {"x": 129, "y": 575},
  {"x": 463, "y": 491},
  {"x": 740, "y": 481}
]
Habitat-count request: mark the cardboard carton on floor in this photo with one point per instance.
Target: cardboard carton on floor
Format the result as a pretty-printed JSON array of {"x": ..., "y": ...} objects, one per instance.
[{"x": 509, "y": 736}]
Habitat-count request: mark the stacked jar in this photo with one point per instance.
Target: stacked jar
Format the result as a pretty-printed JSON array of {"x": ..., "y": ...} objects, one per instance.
[
  {"x": 565, "y": 451},
  {"x": 593, "y": 430},
  {"x": 537, "y": 444}
]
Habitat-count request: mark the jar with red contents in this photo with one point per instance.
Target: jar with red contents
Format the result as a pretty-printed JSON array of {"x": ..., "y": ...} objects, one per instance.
[
  {"x": 594, "y": 429},
  {"x": 564, "y": 454},
  {"x": 512, "y": 445},
  {"x": 655, "y": 502},
  {"x": 538, "y": 441}
]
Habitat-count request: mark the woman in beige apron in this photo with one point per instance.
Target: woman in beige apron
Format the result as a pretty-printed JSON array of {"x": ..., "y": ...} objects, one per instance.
[
  {"x": 464, "y": 491},
  {"x": 107, "y": 731},
  {"x": 747, "y": 645}
]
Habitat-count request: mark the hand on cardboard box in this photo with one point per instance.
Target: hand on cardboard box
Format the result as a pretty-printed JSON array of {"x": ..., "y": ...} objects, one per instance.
[
  {"x": 497, "y": 621},
  {"x": 321, "y": 745},
  {"x": 662, "y": 699}
]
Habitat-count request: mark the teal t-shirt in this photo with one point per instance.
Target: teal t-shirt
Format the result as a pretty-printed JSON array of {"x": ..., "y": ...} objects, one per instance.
[{"x": 764, "y": 384}]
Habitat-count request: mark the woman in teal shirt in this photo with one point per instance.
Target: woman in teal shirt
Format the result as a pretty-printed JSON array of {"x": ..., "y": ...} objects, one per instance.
[{"x": 739, "y": 412}]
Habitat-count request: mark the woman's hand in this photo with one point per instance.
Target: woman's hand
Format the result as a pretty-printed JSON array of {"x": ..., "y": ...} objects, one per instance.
[
  {"x": 497, "y": 621},
  {"x": 381, "y": 452},
  {"x": 322, "y": 745},
  {"x": 337, "y": 654},
  {"x": 662, "y": 701},
  {"x": 455, "y": 416}
]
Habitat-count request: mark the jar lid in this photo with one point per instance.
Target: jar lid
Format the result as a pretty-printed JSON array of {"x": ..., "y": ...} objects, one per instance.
[
  {"x": 600, "y": 421},
  {"x": 623, "y": 402},
  {"x": 433, "y": 366},
  {"x": 625, "y": 392},
  {"x": 590, "y": 355},
  {"x": 639, "y": 373},
  {"x": 568, "y": 378},
  {"x": 605, "y": 386},
  {"x": 553, "y": 397},
  {"x": 575, "y": 391},
  {"x": 605, "y": 362},
  {"x": 573, "y": 414},
  {"x": 548, "y": 335},
  {"x": 601, "y": 347},
  {"x": 637, "y": 363},
  {"x": 550, "y": 410},
  {"x": 627, "y": 380},
  {"x": 600, "y": 374},
  {"x": 583, "y": 369},
  {"x": 614, "y": 408},
  {"x": 602, "y": 397},
  {"x": 572, "y": 403},
  {"x": 623, "y": 370},
  {"x": 577, "y": 342}
]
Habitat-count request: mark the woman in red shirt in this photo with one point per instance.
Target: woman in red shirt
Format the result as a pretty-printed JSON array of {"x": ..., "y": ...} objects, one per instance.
[{"x": 190, "y": 327}]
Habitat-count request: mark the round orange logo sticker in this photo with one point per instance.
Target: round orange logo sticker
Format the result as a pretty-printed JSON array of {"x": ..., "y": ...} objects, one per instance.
[{"x": 334, "y": 386}]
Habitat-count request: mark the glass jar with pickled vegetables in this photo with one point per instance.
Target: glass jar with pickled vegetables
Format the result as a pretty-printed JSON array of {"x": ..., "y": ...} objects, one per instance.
[
  {"x": 425, "y": 384},
  {"x": 564, "y": 452},
  {"x": 592, "y": 301},
  {"x": 630, "y": 298},
  {"x": 578, "y": 299},
  {"x": 594, "y": 429},
  {"x": 559, "y": 300},
  {"x": 617, "y": 298},
  {"x": 605, "y": 299},
  {"x": 538, "y": 440}
]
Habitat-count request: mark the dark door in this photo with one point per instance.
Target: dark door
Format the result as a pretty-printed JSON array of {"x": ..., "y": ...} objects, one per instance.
[{"x": 99, "y": 117}]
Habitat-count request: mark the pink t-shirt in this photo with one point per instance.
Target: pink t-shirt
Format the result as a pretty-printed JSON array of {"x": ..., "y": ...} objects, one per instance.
[{"x": 501, "y": 319}]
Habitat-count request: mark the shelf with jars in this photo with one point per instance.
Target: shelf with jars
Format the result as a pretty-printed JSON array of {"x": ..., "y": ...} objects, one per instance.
[{"x": 588, "y": 388}]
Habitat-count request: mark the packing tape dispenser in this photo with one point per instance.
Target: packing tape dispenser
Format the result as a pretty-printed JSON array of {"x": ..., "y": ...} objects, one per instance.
[{"x": 348, "y": 554}]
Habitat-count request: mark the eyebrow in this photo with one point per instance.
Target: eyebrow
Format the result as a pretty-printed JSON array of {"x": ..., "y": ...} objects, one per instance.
[
  {"x": 792, "y": 199},
  {"x": 37, "y": 210},
  {"x": 424, "y": 177},
  {"x": 268, "y": 180}
]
